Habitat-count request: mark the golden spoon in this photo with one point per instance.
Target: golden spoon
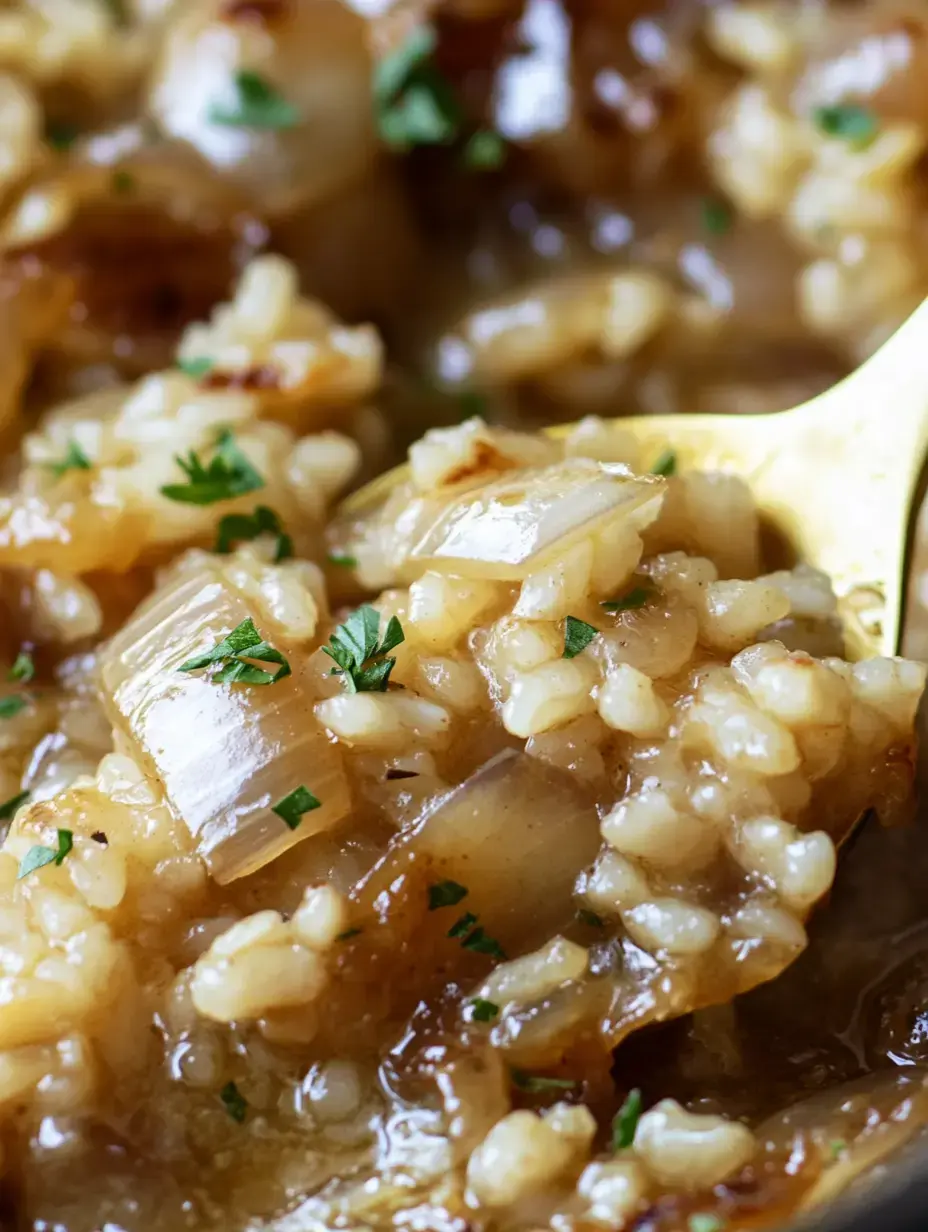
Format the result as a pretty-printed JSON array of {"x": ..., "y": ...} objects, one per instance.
[{"x": 835, "y": 477}]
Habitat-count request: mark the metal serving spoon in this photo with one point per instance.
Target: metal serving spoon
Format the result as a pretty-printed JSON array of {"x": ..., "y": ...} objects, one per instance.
[{"x": 834, "y": 478}]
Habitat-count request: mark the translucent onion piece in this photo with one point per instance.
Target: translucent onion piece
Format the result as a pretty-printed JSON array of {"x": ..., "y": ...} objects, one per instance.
[
  {"x": 515, "y": 834},
  {"x": 226, "y": 754},
  {"x": 508, "y": 528}
]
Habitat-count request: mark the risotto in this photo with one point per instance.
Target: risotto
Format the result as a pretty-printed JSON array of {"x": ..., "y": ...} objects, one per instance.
[{"x": 512, "y": 846}]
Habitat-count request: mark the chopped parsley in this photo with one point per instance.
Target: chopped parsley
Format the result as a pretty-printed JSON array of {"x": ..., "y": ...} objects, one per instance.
[
  {"x": 235, "y": 527},
  {"x": 122, "y": 183},
  {"x": 485, "y": 151},
  {"x": 445, "y": 894},
  {"x": 461, "y": 927},
  {"x": 253, "y": 103},
  {"x": 536, "y": 1083},
  {"x": 38, "y": 857},
  {"x": 291, "y": 808},
  {"x": 197, "y": 367},
  {"x": 23, "y": 669},
  {"x": 577, "y": 636},
  {"x": 483, "y": 1011},
  {"x": 235, "y": 1102},
  {"x": 850, "y": 122},
  {"x": 10, "y": 706},
  {"x": 625, "y": 1121},
  {"x": 360, "y": 653},
  {"x": 118, "y": 10},
  {"x": 666, "y": 464},
  {"x": 590, "y": 918},
  {"x": 348, "y": 933},
  {"x": 414, "y": 103},
  {"x": 9, "y": 807},
  {"x": 342, "y": 559},
  {"x": 705, "y": 1222},
  {"x": 836, "y": 1148},
  {"x": 716, "y": 216},
  {"x": 228, "y": 474},
  {"x": 61, "y": 136},
  {"x": 74, "y": 460},
  {"x": 637, "y": 597},
  {"x": 233, "y": 651}
]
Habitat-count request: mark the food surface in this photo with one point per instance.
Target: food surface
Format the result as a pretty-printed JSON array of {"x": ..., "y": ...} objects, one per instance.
[{"x": 511, "y": 847}]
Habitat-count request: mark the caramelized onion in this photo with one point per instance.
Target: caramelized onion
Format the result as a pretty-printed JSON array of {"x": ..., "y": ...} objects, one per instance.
[{"x": 225, "y": 753}]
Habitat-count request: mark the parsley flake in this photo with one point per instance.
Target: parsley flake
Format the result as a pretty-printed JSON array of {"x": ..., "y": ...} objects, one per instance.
[
  {"x": 577, "y": 636},
  {"x": 23, "y": 669},
  {"x": 291, "y": 808},
  {"x": 9, "y": 807},
  {"x": 625, "y": 1121},
  {"x": 485, "y": 151},
  {"x": 197, "y": 367},
  {"x": 253, "y": 102},
  {"x": 590, "y": 918},
  {"x": 536, "y": 1083},
  {"x": 235, "y": 1102},
  {"x": 666, "y": 464},
  {"x": 228, "y": 474},
  {"x": 483, "y": 1011},
  {"x": 74, "y": 460},
  {"x": 462, "y": 926},
  {"x": 705, "y": 1222},
  {"x": 10, "y": 706},
  {"x": 480, "y": 943},
  {"x": 122, "y": 183},
  {"x": 235, "y": 527},
  {"x": 342, "y": 559},
  {"x": 38, "y": 857},
  {"x": 637, "y": 597},
  {"x": 836, "y": 1148},
  {"x": 243, "y": 643},
  {"x": 716, "y": 216},
  {"x": 61, "y": 136},
  {"x": 850, "y": 122},
  {"x": 415, "y": 105},
  {"x": 445, "y": 894},
  {"x": 359, "y": 652}
]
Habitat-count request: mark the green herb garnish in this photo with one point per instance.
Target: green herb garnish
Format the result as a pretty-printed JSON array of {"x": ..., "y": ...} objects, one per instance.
[
  {"x": 122, "y": 183},
  {"x": 228, "y": 474},
  {"x": 836, "y": 1148},
  {"x": 716, "y": 216},
  {"x": 8, "y": 808},
  {"x": 535, "y": 1083},
  {"x": 235, "y": 1102},
  {"x": 635, "y": 598},
  {"x": 666, "y": 464},
  {"x": 704, "y": 1222},
  {"x": 625, "y": 1121},
  {"x": 243, "y": 643},
  {"x": 360, "y": 654},
  {"x": 235, "y": 527},
  {"x": 195, "y": 368},
  {"x": 485, "y": 151},
  {"x": 480, "y": 943},
  {"x": 291, "y": 808},
  {"x": 74, "y": 460},
  {"x": 590, "y": 918},
  {"x": 415, "y": 105},
  {"x": 10, "y": 706},
  {"x": 463, "y": 925},
  {"x": 342, "y": 559},
  {"x": 850, "y": 122},
  {"x": 61, "y": 136},
  {"x": 38, "y": 857},
  {"x": 577, "y": 636},
  {"x": 253, "y": 103},
  {"x": 445, "y": 894},
  {"x": 23, "y": 669},
  {"x": 483, "y": 1011}
]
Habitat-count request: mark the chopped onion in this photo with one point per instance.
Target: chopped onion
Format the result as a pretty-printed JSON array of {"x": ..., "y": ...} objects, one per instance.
[
  {"x": 516, "y": 834},
  {"x": 225, "y": 753}
]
